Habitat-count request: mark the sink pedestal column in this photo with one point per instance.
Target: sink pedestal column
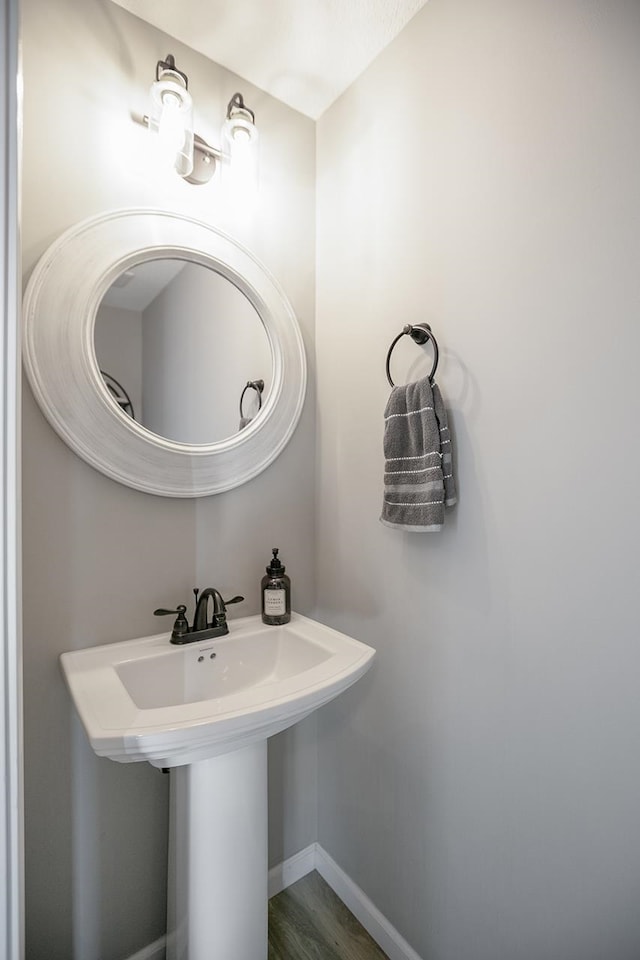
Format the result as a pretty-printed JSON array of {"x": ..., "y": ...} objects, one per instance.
[{"x": 217, "y": 904}]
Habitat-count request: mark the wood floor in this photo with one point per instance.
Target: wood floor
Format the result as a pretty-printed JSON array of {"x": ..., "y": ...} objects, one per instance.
[{"x": 307, "y": 921}]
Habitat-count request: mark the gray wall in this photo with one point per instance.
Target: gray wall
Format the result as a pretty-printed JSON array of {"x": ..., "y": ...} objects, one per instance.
[
  {"x": 482, "y": 783},
  {"x": 98, "y": 557},
  {"x": 118, "y": 346}
]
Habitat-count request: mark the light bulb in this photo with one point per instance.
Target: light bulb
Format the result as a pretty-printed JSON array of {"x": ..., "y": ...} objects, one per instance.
[
  {"x": 171, "y": 119},
  {"x": 240, "y": 143},
  {"x": 171, "y": 127}
]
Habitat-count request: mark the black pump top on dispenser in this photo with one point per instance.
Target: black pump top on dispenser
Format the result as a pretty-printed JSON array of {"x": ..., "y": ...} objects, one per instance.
[{"x": 275, "y": 568}]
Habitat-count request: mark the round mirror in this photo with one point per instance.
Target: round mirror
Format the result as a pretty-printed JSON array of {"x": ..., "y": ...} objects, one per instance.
[
  {"x": 190, "y": 387},
  {"x": 177, "y": 345}
]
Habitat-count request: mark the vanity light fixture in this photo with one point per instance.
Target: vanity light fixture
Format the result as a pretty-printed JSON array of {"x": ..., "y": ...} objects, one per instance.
[{"x": 171, "y": 119}]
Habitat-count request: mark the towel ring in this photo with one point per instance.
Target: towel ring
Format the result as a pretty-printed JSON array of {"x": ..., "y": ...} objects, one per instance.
[
  {"x": 419, "y": 333},
  {"x": 118, "y": 393},
  {"x": 258, "y": 386}
]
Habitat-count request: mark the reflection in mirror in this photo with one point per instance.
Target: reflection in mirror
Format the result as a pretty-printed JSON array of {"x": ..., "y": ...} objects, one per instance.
[
  {"x": 119, "y": 394},
  {"x": 183, "y": 342}
]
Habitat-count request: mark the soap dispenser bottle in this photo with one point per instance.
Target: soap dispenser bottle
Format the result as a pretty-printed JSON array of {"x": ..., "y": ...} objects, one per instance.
[{"x": 276, "y": 593}]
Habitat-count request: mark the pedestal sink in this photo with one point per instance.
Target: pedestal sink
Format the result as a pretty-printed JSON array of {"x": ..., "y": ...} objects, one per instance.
[{"x": 206, "y": 710}]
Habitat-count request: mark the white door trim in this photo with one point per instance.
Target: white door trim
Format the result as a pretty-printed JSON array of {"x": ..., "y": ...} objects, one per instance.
[{"x": 11, "y": 846}]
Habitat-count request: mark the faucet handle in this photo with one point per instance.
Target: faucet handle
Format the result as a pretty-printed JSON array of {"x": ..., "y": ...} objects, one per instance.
[
  {"x": 233, "y": 600},
  {"x": 181, "y": 625}
]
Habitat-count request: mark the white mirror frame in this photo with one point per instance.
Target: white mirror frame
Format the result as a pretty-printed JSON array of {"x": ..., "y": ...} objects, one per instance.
[{"x": 60, "y": 306}]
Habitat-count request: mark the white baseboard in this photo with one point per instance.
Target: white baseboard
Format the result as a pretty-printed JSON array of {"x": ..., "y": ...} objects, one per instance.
[
  {"x": 154, "y": 951},
  {"x": 298, "y": 866},
  {"x": 376, "y": 925},
  {"x": 314, "y": 857},
  {"x": 294, "y": 868}
]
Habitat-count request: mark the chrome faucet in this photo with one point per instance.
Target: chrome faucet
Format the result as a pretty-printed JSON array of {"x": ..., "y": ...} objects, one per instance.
[{"x": 202, "y": 629}]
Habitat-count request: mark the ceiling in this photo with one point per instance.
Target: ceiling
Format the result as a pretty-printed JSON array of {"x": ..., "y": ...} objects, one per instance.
[
  {"x": 136, "y": 288},
  {"x": 304, "y": 52}
]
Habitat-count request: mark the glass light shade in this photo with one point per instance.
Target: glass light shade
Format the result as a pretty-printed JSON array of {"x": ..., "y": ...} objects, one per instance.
[
  {"x": 240, "y": 142},
  {"x": 171, "y": 120}
]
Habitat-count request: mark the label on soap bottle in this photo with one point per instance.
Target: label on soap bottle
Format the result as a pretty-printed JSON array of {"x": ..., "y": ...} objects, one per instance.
[{"x": 275, "y": 603}]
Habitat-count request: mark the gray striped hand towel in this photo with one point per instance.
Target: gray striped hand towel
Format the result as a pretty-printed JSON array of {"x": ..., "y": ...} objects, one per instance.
[{"x": 418, "y": 467}]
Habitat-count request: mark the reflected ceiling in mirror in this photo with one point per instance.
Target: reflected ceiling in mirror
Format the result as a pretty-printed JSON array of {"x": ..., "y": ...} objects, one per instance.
[{"x": 177, "y": 344}]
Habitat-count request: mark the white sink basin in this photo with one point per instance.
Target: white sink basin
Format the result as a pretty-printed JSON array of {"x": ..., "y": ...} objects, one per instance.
[{"x": 171, "y": 705}]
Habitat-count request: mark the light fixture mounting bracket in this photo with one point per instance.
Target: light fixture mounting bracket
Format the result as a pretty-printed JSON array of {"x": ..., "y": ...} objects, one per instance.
[{"x": 205, "y": 161}]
